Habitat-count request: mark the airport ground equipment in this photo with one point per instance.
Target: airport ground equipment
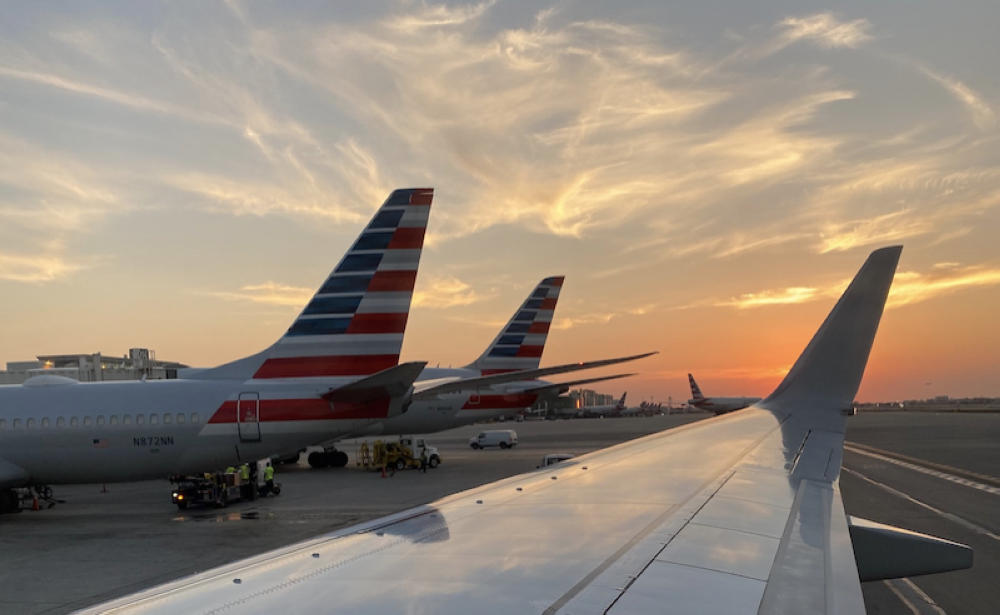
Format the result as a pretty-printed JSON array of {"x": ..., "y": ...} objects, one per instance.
[
  {"x": 211, "y": 489},
  {"x": 504, "y": 438},
  {"x": 401, "y": 454}
]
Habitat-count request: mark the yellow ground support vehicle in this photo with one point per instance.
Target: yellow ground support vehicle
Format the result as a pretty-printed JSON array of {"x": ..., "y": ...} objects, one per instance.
[{"x": 400, "y": 455}]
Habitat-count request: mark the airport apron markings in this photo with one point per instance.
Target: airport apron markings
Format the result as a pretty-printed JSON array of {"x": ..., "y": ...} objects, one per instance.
[{"x": 917, "y": 468}]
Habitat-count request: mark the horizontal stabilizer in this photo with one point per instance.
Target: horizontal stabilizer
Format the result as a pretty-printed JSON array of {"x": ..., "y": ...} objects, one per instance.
[
  {"x": 392, "y": 382},
  {"x": 886, "y": 552},
  {"x": 563, "y": 387},
  {"x": 483, "y": 382}
]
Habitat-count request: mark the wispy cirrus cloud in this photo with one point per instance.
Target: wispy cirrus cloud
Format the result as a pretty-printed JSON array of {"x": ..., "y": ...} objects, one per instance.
[
  {"x": 445, "y": 292},
  {"x": 36, "y": 268},
  {"x": 827, "y": 30},
  {"x": 268, "y": 293},
  {"x": 911, "y": 287},
  {"x": 908, "y": 287},
  {"x": 785, "y": 296},
  {"x": 982, "y": 114}
]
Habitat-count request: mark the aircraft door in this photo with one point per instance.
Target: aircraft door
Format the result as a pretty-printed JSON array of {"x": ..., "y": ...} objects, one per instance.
[{"x": 248, "y": 417}]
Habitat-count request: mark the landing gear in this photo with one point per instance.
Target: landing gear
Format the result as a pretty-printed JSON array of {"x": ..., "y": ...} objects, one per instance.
[{"x": 328, "y": 459}]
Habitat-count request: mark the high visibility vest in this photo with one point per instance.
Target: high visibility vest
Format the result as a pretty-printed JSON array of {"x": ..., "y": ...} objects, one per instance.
[
  {"x": 245, "y": 472},
  {"x": 268, "y": 473},
  {"x": 230, "y": 470}
]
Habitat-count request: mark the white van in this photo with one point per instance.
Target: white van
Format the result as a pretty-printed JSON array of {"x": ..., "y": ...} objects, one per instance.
[{"x": 504, "y": 438}]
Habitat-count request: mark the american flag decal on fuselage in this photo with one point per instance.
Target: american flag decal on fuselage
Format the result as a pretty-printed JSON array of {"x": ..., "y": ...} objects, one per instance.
[
  {"x": 520, "y": 344},
  {"x": 354, "y": 324}
]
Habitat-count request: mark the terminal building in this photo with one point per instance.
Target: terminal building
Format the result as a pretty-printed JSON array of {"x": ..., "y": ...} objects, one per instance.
[
  {"x": 588, "y": 397},
  {"x": 137, "y": 364}
]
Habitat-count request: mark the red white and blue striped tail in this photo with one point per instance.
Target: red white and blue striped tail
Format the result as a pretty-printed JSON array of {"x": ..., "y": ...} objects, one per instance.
[
  {"x": 522, "y": 340},
  {"x": 695, "y": 391},
  {"x": 354, "y": 324}
]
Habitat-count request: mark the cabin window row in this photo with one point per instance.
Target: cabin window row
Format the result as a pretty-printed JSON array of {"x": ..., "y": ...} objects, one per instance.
[{"x": 100, "y": 421}]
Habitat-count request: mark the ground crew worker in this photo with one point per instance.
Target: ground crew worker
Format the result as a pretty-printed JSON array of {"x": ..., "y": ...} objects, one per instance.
[
  {"x": 269, "y": 478},
  {"x": 245, "y": 481},
  {"x": 230, "y": 470},
  {"x": 423, "y": 461},
  {"x": 253, "y": 481}
]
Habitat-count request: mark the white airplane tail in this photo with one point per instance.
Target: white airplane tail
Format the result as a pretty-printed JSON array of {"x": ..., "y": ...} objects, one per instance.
[
  {"x": 828, "y": 372},
  {"x": 621, "y": 402},
  {"x": 354, "y": 324},
  {"x": 695, "y": 390},
  {"x": 520, "y": 343}
]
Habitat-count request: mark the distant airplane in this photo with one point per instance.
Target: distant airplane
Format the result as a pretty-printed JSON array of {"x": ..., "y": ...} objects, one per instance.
[
  {"x": 737, "y": 515},
  {"x": 333, "y": 372},
  {"x": 645, "y": 408},
  {"x": 607, "y": 409},
  {"x": 718, "y": 405}
]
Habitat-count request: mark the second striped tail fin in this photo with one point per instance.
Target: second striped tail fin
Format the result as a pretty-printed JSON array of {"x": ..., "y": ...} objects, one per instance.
[{"x": 520, "y": 343}]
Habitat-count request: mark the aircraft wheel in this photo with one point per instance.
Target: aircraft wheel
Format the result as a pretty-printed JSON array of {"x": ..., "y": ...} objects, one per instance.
[
  {"x": 339, "y": 459},
  {"x": 319, "y": 460}
]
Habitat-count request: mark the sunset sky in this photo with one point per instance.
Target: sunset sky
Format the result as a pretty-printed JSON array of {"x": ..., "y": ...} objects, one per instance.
[{"x": 708, "y": 176}]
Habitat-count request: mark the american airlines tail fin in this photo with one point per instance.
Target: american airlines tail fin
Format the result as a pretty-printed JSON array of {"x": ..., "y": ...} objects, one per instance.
[
  {"x": 695, "y": 390},
  {"x": 354, "y": 324},
  {"x": 521, "y": 342},
  {"x": 828, "y": 373}
]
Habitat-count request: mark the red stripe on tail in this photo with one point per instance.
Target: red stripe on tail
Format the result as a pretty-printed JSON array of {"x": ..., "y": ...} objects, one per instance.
[
  {"x": 530, "y": 351},
  {"x": 393, "y": 281},
  {"x": 306, "y": 367},
  {"x": 408, "y": 238},
  {"x": 539, "y": 327},
  {"x": 378, "y": 323},
  {"x": 273, "y": 410},
  {"x": 422, "y": 196}
]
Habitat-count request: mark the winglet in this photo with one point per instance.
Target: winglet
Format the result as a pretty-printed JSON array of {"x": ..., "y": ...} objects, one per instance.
[{"x": 828, "y": 372}]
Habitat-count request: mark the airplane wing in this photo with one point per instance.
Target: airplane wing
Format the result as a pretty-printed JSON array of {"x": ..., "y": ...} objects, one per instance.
[
  {"x": 738, "y": 514},
  {"x": 562, "y": 387},
  {"x": 392, "y": 382},
  {"x": 436, "y": 388}
]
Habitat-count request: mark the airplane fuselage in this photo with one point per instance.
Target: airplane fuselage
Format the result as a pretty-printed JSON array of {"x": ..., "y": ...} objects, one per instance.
[
  {"x": 722, "y": 405},
  {"x": 123, "y": 431}
]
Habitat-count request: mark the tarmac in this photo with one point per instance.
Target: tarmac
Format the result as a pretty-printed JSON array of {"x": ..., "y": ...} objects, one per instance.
[{"x": 100, "y": 545}]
